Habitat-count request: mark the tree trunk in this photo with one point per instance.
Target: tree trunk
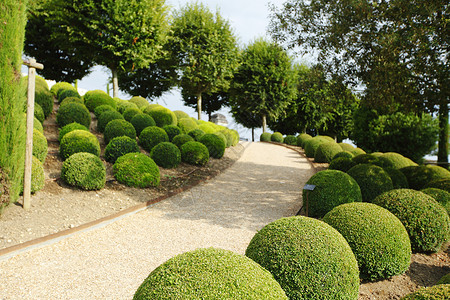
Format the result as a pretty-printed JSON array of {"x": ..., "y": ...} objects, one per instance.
[
  {"x": 264, "y": 123},
  {"x": 199, "y": 106},
  {"x": 253, "y": 134},
  {"x": 443, "y": 136},
  {"x": 115, "y": 83}
]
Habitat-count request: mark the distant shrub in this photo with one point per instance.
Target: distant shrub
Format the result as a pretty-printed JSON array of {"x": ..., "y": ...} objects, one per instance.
[
  {"x": 152, "y": 136},
  {"x": 206, "y": 128},
  {"x": 181, "y": 115},
  {"x": 311, "y": 145},
  {"x": 441, "y": 196},
  {"x": 425, "y": 220},
  {"x": 302, "y": 138},
  {"x": 37, "y": 175},
  {"x": 40, "y": 145},
  {"x": 166, "y": 155},
  {"x": 399, "y": 180},
  {"x": 73, "y": 112},
  {"x": 229, "y": 136},
  {"x": 119, "y": 146},
  {"x": 342, "y": 164},
  {"x": 196, "y": 134},
  {"x": 344, "y": 153},
  {"x": 129, "y": 113},
  {"x": 172, "y": 131},
  {"x": 377, "y": 238},
  {"x": 265, "y": 137},
  {"x": 357, "y": 151},
  {"x": 70, "y": 127},
  {"x": 124, "y": 105},
  {"x": 347, "y": 147},
  {"x": 139, "y": 101},
  {"x": 420, "y": 176},
  {"x": 101, "y": 109},
  {"x": 308, "y": 258},
  {"x": 396, "y": 160},
  {"x": 436, "y": 292},
  {"x": 45, "y": 99},
  {"x": 84, "y": 170},
  {"x": 215, "y": 145},
  {"x": 64, "y": 94},
  {"x": 235, "y": 137},
  {"x": 162, "y": 116},
  {"x": 194, "y": 153},
  {"x": 277, "y": 137},
  {"x": 365, "y": 159},
  {"x": 59, "y": 94},
  {"x": 60, "y": 85},
  {"x": 136, "y": 170},
  {"x": 181, "y": 139},
  {"x": 107, "y": 117},
  {"x": 372, "y": 180},
  {"x": 290, "y": 140},
  {"x": 78, "y": 141},
  {"x": 72, "y": 100},
  {"x": 187, "y": 124},
  {"x": 326, "y": 151},
  {"x": 95, "y": 98},
  {"x": 117, "y": 128},
  {"x": 443, "y": 184},
  {"x": 39, "y": 113},
  {"x": 142, "y": 121}
]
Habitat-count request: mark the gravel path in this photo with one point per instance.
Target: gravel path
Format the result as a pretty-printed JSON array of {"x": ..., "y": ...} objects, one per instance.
[{"x": 112, "y": 261}]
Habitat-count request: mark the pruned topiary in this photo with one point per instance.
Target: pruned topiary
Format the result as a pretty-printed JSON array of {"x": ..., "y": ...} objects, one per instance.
[
  {"x": 346, "y": 154},
  {"x": 78, "y": 141},
  {"x": 67, "y": 93},
  {"x": 399, "y": 180},
  {"x": 72, "y": 100},
  {"x": 311, "y": 145},
  {"x": 265, "y": 137},
  {"x": 141, "y": 121},
  {"x": 101, "y": 109},
  {"x": 396, "y": 160},
  {"x": 124, "y": 105},
  {"x": 95, "y": 98},
  {"x": 172, "y": 131},
  {"x": 347, "y": 147},
  {"x": 365, "y": 159},
  {"x": 139, "y": 101},
  {"x": 37, "y": 175},
  {"x": 181, "y": 139},
  {"x": 420, "y": 176},
  {"x": 196, "y": 134},
  {"x": 61, "y": 86},
  {"x": 277, "y": 137},
  {"x": 302, "y": 138},
  {"x": 117, "y": 128},
  {"x": 357, "y": 151},
  {"x": 152, "y": 136},
  {"x": 372, "y": 180},
  {"x": 290, "y": 140},
  {"x": 187, "y": 124},
  {"x": 73, "y": 112},
  {"x": 443, "y": 184},
  {"x": 119, "y": 146},
  {"x": 166, "y": 155},
  {"x": 129, "y": 113},
  {"x": 39, "y": 113},
  {"x": 342, "y": 164},
  {"x": 84, "y": 170},
  {"x": 436, "y": 292},
  {"x": 162, "y": 116},
  {"x": 40, "y": 145},
  {"x": 107, "y": 117},
  {"x": 181, "y": 115},
  {"x": 37, "y": 125},
  {"x": 326, "y": 151},
  {"x": 441, "y": 196},
  {"x": 194, "y": 153},
  {"x": 70, "y": 127},
  {"x": 215, "y": 145},
  {"x": 136, "y": 170}
]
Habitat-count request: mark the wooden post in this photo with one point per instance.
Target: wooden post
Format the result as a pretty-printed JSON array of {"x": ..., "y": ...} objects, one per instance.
[{"x": 32, "y": 66}]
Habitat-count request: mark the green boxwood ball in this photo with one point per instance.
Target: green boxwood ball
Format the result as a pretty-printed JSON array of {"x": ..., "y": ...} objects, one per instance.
[
  {"x": 265, "y": 137},
  {"x": 309, "y": 259},
  {"x": 78, "y": 141},
  {"x": 377, "y": 238},
  {"x": 333, "y": 188},
  {"x": 129, "y": 113},
  {"x": 206, "y": 128},
  {"x": 372, "y": 180},
  {"x": 441, "y": 196},
  {"x": 222, "y": 136},
  {"x": 313, "y": 144},
  {"x": 396, "y": 160},
  {"x": 136, "y": 170},
  {"x": 365, "y": 159},
  {"x": 181, "y": 115},
  {"x": 166, "y": 155},
  {"x": 70, "y": 127},
  {"x": 290, "y": 140},
  {"x": 39, "y": 113},
  {"x": 342, "y": 164},
  {"x": 95, "y": 98},
  {"x": 172, "y": 131},
  {"x": 152, "y": 136},
  {"x": 61, "y": 85},
  {"x": 357, "y": 151},
  {"x": 229, "y": 136},
  {"x": 141, "y": 121},
  {"x": 45, "y": 99},
  {"x": 210, "y": 274},
  {"x": 40, "y": 82},
  {"x": 302, "y": 138},
  {"x": 124, "y": 105},
  {"x": 347, "y": 147},
  {"x": 101, "y": 109},
  {"x": 425, "y": 220},
  {"x": 73, "y": 112},
  {"x": 186, "y": 125},
  {"x": 443, "y": 184},
  {"x": 37, "y": 175},
  {"x": 107, "y": 117},
  {"x": 194, "y": 153},
  {"x": 85, "y": 171},
  {"x": 196, "y": 134},
  {"x": 399, "y": 180},
  {"x": 437, "y": 292},
  {"x": 346, "y": 154},
  {"x": 215, "y": 145},
  {"x": 326, "y": 151},
  {"x": 72, "y": 100},
  {"x": 117, "y": 128},
  {"x": 277, "y": 137},
  {"x": 181, "y": 139},
  {"x": 444, "y": 279},
  {"x": 139, "y": 101},
  {"x": 38, "y": 125},
  {"x": 119, "y": 146},
  {"x": 420, "y": 176},
  {"x": 40, "y": 145},
  {"x": 162, "y": 116},
  {"x": 64, "y": 94}
]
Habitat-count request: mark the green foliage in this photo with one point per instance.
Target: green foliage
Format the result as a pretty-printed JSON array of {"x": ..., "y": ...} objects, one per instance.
[
  {"x": 324, "y": 268},
  {"x": 39, "y": 113},
  {"x": 420, "y": 176},
  {"x": 101, "y": 109},
  {"x": 37, "y": 175},
  {"x": 85, "y": 171},
  {"x": 366, "y": 159},
  {"x": 124, "y": 105},
  {"x": 107, "y": 117},
  {"x": 196, "y": 134},
  {"x": 311, "y": 145},
  {"x": 265, "y": 137},
  {"x": 342, "y": 164},
  {"x": 441, "y": 196},
  {"x": 181, "y": 115},
  {"x": 377, "y": 238},
  {"x": 436, "y": 292},
  {"x": 290, "y": 140},
  {"x": 444, "y": 279},
  {"x": 333, "y": 188},
  {"x": 277, "y": 137},
  {"x": 194, "y": 153},
  {"x": 172, "y": 131},
  {"x": 229, "y": 136},
  {"x": 344, "y": 153},
  {"x": 222, "y": 136},
  {"x": 347, "y": 147},
  {"x": 141, "y": 102},
  {"x": 119, "y": 146},
  {"x": 129, "y": 113},
  {"x": 206, "y": 128},
  {"x": 210, "y": 274},
  {"x": 45, "y": 99},
  {"x": 136, "y": 170},
  {"x": 63, "y": 94},
  {"x": 40, "y": 145},
  {"x": 70, "y": 127},
  {"x": 399, "y": 180},
  {"x": 72, "y": 99},
  {"x": 37, "y": 125},
  {"x": 215, "y": 145},
  {"x": 187, "y": 125},
  {"x": 302, "y": 138},
  {"x": 372, "y": 180},
  {"x": 152, "y": 136},
  {"x": 395, "y": 160},
  {"x": 95, "y": 98},
  {"x": 40, "y": 81},
  {"x": 61, "y": 86},
  {"x": 443, "y": 184},
  {"x": 78, "y": 141},
  {"x": 73, "y": 112},
  {"x": 358, "y": 151},
  {"x": 162, "y": 116},
  {"x": 181, "y": 139},
  {"x": 142, "y": 121},
  {"x": 326, "y": 151},
  {"x": 117, "y": 128},
  {"x": 166, "y": 155},
  {"x": 426, "y": 221}
]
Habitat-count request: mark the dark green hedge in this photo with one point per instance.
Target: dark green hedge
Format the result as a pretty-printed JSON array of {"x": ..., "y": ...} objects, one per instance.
[
  {"x": 290, "y": 140},
  {"x": 172, "y": 131},
  {"x": 95, "y": 98},
  {"x": 196, "y": 134},
  {"x": 441, "y": 196},
  {"x": 342, "y": 164},
  {"x": 40, "y": 145},
  {"x": 277, "y": 137},
  {"x": 181, "y": 139},
  {"x": 265, "y": 137}
]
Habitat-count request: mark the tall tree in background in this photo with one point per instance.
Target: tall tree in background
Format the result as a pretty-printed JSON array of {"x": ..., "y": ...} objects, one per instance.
[
  {"x": 397, "y": 50},
  {"x": 211, "y": 102},
  {"x": 205, "y": 51},
  {"x": 264, "y": 83}
]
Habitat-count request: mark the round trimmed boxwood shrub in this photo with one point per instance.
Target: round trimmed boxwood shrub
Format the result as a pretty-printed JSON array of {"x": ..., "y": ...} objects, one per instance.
[
  {"x": 37, "y": 125},
  {"x": 207, "y": 127},
  {"x": 372, "y": 180},
  {"x": 443, "y": 184},
  {"x": 222, "y": 136},
  {"x": 302, "y": 138},
  {"x": 139, "y": 101},
  {"x": 342, "y": 164},
  {"x": 312, "y": 145},
  {"x": 290, "y": 140},
  {"x": 187, "y": 124},
  {"x": 196, "y": 134},
  {"x": 228, "y": 134},
  {"x": 309, "y": 259},
  {"x": 425, "y": 220},
  {"x": 420, "y": 176},
  {"x": 129, "y": 113},
  {"x": 357, "y": 151},
  {"x": 444, "y": 279},
  {"x": 347, "y": 147},
  {"x": 78, "y": 141},
  {"x": 70, "y": 127},
  {"x": 152, "y": 136},
  {"x": 326, "y": 151},
  {"x": 377, "y": 238},
  {"x": 39, "y": 113},
  {"x": 399, "y": 180},
  {"x": 45, "y": 99},
  {"x": 85, "y": 171},
  {"x": 117, "y": 128},
  {"x": 141, "y": 121},
  {"x": 119, "y": 146},
  {"x": 181, "y": 139},
  {"x": 333, "y": 188},
  {"x": 101, "y": 109},
  {"x": 277, "y": 137},
  {"x": 63, "y": 94},
  {"x": 215, "y": 145},
  {"x": 172, "y": 131},
  {"x": 73, "y": 112},
  {"x": 40, "y": 82},
  {"x": 365, "y": 159},
  {"x": 194, "y": 153},
  {"x": 124, "y": 105},
  {"x": 181, "y": 115},
  {"x": 344, "y": 153},
  {"x": 136, "y": 170},
  {"x": 210, "y": 274},
  {"x": 40, "y": 145},
  {"x": 37, "y": 175},
  {"x": 166, "y": 155},
  {"x": 436, "y": 292},
  {"x": 162, "y": 116},
  {"x": 61, "y": 85},
  {"x": 95, "y": 98},
  {"x": 72, "y": 100},
  {"x": 107, "y": 117},
  {"x": 396, "y": 160},
  {"x": 265, "y": 137},
  {"x": 441, "y": 196}
]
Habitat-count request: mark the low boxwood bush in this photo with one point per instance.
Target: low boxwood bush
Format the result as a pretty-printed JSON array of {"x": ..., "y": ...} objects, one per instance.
[
  {"x": 377, "y": 238},
  {"x": 357, "y": 151},
  {"x": 420, "y": 176},
  {"x": 37, "y": 175},
  {"x": 326, "y": 151},
  {"x": 70, "y": 127},
  {"x": 309, "y": 259},
  {"x": 107, "y": 117},
  {"x": 441, "y": 196},
  {"x": 196, "y": 134},
  {"x": 39, "y": 82},
  {"x": 117, "y": 128},
  {"x": 344, "y": 153},
  {"x": 73, "y": 112},
  {"x": 129, "y": 113},
  {"x": 101, "y": 109},
  {"x": 311, "y": 145},
  {"x": 187, "y": 124},
  {"x": 372, "y": 180},
  {"x": 64, "y": 94},
  {"x": 399, "y": 180},
  {"x": 194, "y": 153},
  {"x": 181, "y": 115},
  {"x": 39, "y": 113},
  {"x": 444, "y": 279},
  {"x": 425, "y": 220},
  {"x": 78, "y": 141},
  {"x": 222, "y": 136},
  {"x": 95, "y": 98},
  {"x": 342, "y": 164},
  {"x": 347, "y": 147},
  {"x": 333, "y": 188},
  {"x": 290, "y": 140},
  {"x": 365, "y": 159},
  {"x": 235, "y": 137},
  {"x": 45, "y": 99},
  {"x": 61, "y": 85},
  {"x": 302, "y": 138},
  {"x": 443, "y": 184},
  {"x": 172, "y": 131},
  {"x": 152, "y": 136},
  {"x": 139, "y": 101},
  {"x": 181, "y": 139},
  {"x": 207, "y": 127},
  {"x": 124, "y": 105},
  {"x": 40, "y": 145},
  {"x": 210, "y": 274},
  {"x": 228, "y": 134},
  {"x": 215, "y": 145},
  {"x": 166, "y": 155},
  {"x": 277, "y": 137},
  {"x": 38, "y": 125},
  {"x": 396, "y": 160},
  {"x": 85, "y": 171},
  {"x": 119, "y": 146},
  {"x": 72, "y": 100},
  {"x": 265, "y": 137},
  {"x": 162, "y": 116},
  {"x": 136, "y": 170},
  {"x": 141, "y": 121},
  {"x": 436, "y": 292}
]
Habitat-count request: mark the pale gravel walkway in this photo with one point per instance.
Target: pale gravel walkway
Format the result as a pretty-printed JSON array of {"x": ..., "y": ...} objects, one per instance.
[{"x": 111, "y": 262}]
